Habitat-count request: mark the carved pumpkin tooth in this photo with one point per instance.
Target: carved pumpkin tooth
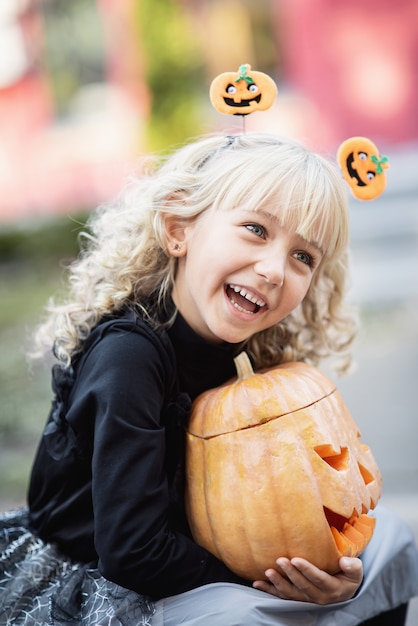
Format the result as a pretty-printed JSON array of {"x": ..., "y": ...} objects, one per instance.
[
  {"x": 366, "y": 520},
  {"x": 344, "y": 546},
  {"x": 365, "y": 525},
  {"x": 355, "y": 536}
]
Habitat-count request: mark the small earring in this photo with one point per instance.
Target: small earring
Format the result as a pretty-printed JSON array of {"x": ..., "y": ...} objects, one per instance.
[{"x": 176, "y": 246}]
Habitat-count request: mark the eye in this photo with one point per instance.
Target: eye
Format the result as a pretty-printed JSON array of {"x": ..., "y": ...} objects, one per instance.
[
  {"x": 258, "y": 230},
  {"x": 305, "y": 257},
  {"x": 253, "y": 88},
  {"x": 362, "y": 156},
  {"x": 231, "y": 89},
  {"x": 370, "y": 175}
]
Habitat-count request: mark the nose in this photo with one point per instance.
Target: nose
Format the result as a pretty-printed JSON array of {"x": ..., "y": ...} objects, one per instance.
[{"x": 271, "y": 267}]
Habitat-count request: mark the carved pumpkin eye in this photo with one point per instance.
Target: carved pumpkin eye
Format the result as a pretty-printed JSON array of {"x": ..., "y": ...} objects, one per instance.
[
  {"x": 336, "y": 459},
  {"x": 275, "y": 466},
  {"x": 253, "y": 88},
  {"x": 231, "y": 89},
  {"x": 370, "y": 175},
  {"x": 362, "y": 156}
]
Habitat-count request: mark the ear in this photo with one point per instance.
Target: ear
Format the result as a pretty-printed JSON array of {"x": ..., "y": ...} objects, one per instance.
[{"x": 175, "y": 228}]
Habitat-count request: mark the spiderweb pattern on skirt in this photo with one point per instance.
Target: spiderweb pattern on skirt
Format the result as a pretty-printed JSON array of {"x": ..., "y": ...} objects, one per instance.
[{"x": 41, "y": 586}]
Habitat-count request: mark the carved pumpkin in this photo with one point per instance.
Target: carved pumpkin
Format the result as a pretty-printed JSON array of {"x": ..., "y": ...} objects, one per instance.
[
  {"x": 363, "y": 167},
  {"x": 275, "y": 467},
  {"x": 242, "y": 92}
]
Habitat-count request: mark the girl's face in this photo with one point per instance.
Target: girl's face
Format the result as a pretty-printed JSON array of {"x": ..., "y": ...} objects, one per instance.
[{"x": 240, "y": 272}]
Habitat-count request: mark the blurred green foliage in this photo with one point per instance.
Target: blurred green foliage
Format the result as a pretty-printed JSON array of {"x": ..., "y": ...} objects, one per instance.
[
  {"x": 174, "y": 72},
  {"x": 24, "y": 393},
  {"x": 31, "y": 266},
  {"x": 40, "y": 242},
  {"x": 74, "y": 48},
  {"x": 174, "y": 67}
]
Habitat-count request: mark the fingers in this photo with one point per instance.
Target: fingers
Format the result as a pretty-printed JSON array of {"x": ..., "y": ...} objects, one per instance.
[
  {"x": 300, "y": 571},
  {"x": 277, "y": 585},
  {"x": 304, "y": 582},
  {"x": 352, "y": 568},
  {"x": 293, "y": 586}
]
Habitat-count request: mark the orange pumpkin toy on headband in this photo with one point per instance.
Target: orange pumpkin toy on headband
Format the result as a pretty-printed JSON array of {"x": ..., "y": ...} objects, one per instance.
[
  {"x": 363, "y": 167},
  {"x": 242, "y": 92}
]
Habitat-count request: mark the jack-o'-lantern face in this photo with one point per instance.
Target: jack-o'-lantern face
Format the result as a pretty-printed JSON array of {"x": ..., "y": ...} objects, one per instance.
[
  {"x": 275, "y": 467},
  {"x": 242, "y": 92},
  {"x": 363, "y": 167}
]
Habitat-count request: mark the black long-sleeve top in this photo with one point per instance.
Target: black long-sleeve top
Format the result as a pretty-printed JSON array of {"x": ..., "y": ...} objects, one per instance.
[{"x": 107, "y": 480}]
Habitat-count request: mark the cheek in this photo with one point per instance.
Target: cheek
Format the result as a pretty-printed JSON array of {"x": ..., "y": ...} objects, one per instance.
[
  {"x": 302, "y": 286},
  {"x": 299, "y": 292},
  {"x": 295, "y": 290}
]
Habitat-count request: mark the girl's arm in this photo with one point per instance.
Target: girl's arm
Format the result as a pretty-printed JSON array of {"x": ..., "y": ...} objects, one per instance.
[
  {"x": 124, "y": 382},
  {"x": 307, "y": 583}
]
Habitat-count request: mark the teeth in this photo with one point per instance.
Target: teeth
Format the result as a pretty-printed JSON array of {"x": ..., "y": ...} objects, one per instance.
[{"x": 248, "y": 295}]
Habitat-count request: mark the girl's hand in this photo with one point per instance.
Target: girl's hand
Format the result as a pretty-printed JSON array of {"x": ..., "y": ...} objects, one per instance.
[{"x": 307, "y": 583}]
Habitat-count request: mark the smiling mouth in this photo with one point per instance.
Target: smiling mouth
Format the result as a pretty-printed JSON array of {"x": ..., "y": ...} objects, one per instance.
[
  {"x": 244, "y": 103},
  {"x": 244, "y": 300},
  {"x": 352, "y": 170}
]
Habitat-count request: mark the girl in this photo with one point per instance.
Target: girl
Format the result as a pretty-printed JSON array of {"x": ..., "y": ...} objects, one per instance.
[{"x": 233, "y": 242}]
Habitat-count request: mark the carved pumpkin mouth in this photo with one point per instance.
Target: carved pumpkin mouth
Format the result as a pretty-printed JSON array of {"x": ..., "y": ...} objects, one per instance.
[
  {"x": 352, "y": 171},
  {"x": 351, "y": 535}
]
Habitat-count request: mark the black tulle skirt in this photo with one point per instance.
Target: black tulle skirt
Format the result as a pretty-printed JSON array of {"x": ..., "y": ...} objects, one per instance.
[{"x": 40, "y": 585}]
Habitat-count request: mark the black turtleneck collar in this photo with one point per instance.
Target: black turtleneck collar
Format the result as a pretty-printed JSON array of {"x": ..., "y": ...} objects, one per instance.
[{"x": 201, "y": 364}]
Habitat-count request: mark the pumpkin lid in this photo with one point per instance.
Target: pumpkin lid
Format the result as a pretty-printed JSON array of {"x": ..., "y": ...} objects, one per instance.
[{"x": 256, "y": 398}]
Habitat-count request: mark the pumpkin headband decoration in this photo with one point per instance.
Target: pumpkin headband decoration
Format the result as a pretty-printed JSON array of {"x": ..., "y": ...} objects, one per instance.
[
  {"x": 363, "y": 168},
  {"x": 242, "y": 92},
  {"x": 247, "y": 91}
]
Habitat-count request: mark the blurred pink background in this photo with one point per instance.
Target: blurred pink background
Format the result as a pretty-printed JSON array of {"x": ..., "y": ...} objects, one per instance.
[{"x": 342, "y": 69}]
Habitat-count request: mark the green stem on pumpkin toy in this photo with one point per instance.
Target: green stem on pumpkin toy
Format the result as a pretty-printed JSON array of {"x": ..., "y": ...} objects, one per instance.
[
  {"x": 379, "y": 162},
  {"x": 243, "y": 75}
]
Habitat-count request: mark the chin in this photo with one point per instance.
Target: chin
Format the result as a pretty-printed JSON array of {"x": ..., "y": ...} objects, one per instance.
[{"x": 233, "y": 336}]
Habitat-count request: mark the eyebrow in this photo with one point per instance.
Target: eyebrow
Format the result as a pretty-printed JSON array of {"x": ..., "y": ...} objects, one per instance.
[{"x": 276, "y": 220}]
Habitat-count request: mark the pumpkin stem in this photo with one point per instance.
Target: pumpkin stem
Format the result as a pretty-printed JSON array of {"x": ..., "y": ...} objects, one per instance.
[{"x": 243, "y": 366}]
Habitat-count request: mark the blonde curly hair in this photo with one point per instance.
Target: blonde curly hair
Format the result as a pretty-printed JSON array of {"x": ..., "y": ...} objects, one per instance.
[{"x": 124, "y": 260}]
